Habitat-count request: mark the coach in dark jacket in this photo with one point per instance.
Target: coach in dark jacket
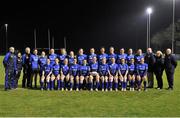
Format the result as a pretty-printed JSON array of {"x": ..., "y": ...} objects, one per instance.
[
  {"x": 170, "y": 64},
  {"x": 159, "y": 68},
  {"x": 150, "y": 60}
]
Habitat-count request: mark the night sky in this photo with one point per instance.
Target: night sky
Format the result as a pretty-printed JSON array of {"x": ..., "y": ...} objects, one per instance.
[{"x": 85, "y": 23}]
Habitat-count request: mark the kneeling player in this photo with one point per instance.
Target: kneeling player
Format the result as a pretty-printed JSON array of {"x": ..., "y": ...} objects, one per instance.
[
  {"x": 46, "y": 75},
  {"x": 123, "y": 71},
  {"x": 94, "y": 73},
  {"x": 103, "y": 71},
  {"x": 74, "y": 75},
  {"x": 142, "y": 74},
  {"x": 55, "y": 74},
  {"x": 131, "y": 74},
  {"x": 113, "y": 74},
  {"x": 84, "y": 73}
]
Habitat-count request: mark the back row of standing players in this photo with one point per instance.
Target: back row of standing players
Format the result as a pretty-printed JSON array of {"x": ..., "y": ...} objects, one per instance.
[{"x": 93, "y": 72}]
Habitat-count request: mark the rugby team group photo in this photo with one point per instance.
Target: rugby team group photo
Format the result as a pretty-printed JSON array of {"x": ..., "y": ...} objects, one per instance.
[{"x": 104, "y": 71}]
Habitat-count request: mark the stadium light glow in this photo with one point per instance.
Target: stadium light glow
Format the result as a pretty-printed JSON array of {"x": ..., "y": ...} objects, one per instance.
[{"x": 149, "y": 10}]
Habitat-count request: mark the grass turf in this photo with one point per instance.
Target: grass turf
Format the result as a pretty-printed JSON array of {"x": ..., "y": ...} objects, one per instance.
[{"x": 25, "y": 102}]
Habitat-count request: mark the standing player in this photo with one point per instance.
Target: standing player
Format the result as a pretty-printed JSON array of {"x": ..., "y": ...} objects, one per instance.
[
  {"x": 52, "y": 56},
  {"x": 42, "y": 62},
  {"x": 71, "y": 58},
  {"x": 84, "y": 73},
  {"x": 138, "y": 56},
  {"x": 46, "y": 75},
  {"x": 130, "y": 56},
  {"x": 142, "y": 69},
  {"x": 55, "y": 74},
  {"x": 10, "y": 68},
  {"x": 102, "y": 55},
  {"x": 91, "y": 56},
  {"x": 94, "y": 73},
  {"x": 122, "y": 55},
  {"x": 123, "y": 71},
  {"x": 111, "y": 54},
  {"x": 19, "y": 68},
  {"x": 26, "y": 68},
  {"x": 131, "y": 74},
  {"x": 34, "y": 68},
  {"x": 113, "y": 74},
  {"x": 62, "y": 56},
  {"x": 74, "y": 75},
  {"x": 81, "y": 56},
  {"x": 64, "y": 74},
  {"x": 103, "y": 72}
]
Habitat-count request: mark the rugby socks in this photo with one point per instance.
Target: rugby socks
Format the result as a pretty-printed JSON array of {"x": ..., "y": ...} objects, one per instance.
[
  {"x": 144, "y": 85},
  {"x": 97, "y": 85},
  {"x": 58, "y": 84},
  {"x": 139, "y": 84},
  {"x": 90, "y": 85},
  {"x": 42, "y": 84},
  {"x": 132, "y": 83},
  {"x": 115, "y": 85},
  {"x": 61, "y": 84},
  {"x": 52, "y": 84},
  {"x": 71, "y": 85},
  {"x": 102, "y": 85},
  {"x": 77, "y": 85},
  {"x": 106, "y": 85},
  {"x": 48, "y": 85},
  {"x": 110, "y": 85}
]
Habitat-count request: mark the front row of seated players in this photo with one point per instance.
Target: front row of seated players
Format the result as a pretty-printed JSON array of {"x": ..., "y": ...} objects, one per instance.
[{"x": 94, "y": 76}]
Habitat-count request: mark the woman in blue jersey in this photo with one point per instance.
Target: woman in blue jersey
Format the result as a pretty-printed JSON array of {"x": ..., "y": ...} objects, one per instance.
[
  {"x": 131, "y": 74},
  {"x": 123, "y": 71},
  {"x": 34, "y": 68},
  {"x": 74, "y": 75},
  {"x": 111, "y": 54},
  {"x": 142, "y": 74},
  {"x": 113, "y": 74},
  {"x": 91, "y": 56},
  {"x": 71, "y": 58},
  {"x": 62, "y": 56},
  {"x": 103, "y": 72},
  {"x": 84, "y": 74},
  {"x": 55, "y": 74},
  {"x": 130, "y": 56},
  {"x": 52, "y": 56},
  {"x": 64, "y": 75},
  {"x": 81, "y": 56},
  {"x": 46, "y": 75},
  {"x": 122, "y": 55},
  {"x": 102, "y": 55},
  {"x": 94, "y": 74}
]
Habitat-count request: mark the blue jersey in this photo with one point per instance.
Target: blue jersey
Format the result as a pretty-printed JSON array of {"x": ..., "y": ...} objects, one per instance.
[
  {"x": 121, "y": 56},
  {"x": 81, "y": 58},
  {"x": 52, "y": 58},
  {"x": 42, "y": 62},
  {"x": 110, "y": 56},
  {"x": 129, "y": 57},
  {"x": 138, "y": 58},
  {"x": 56, "y": 69},
  {"x": 123, "y": 68},
  {"x": 84, "y": 70},
  {"x": 103, "y": 69},
  {"x": 94, "y": 67},
  {"x": 47, "y": 69},
  {"x": 34, "y": 61},
  {"x": 132, "y": 69},
  {"x": 65, "y": 69},
  {"x": 74, "y": 70},
  {"x": 101, "y": 56},
  {"x": 62, "y": 58},
  {"x": 10, "y": 61},
  {"x": 90, "y": 58},
  {"x": 142, "y": 69},
  {"x": 113, "y": 69},
  {"x": 71, "y": 60}
]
